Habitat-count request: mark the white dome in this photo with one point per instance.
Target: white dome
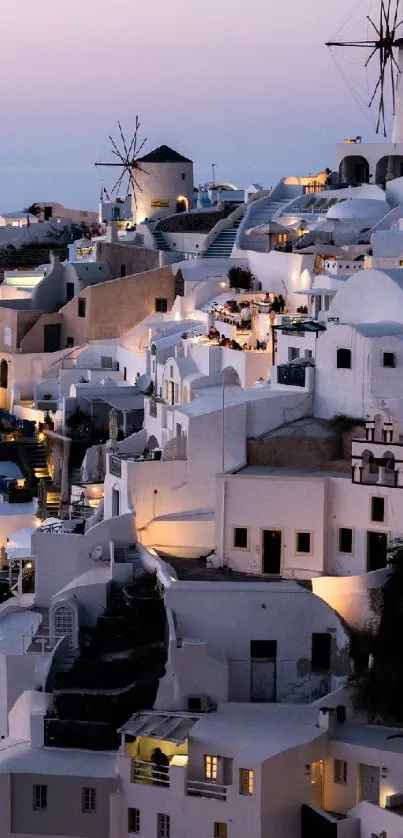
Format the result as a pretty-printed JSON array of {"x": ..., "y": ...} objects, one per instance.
[
  {"x": 362, "y": 208},
  {"x": 370, "y": 296}
]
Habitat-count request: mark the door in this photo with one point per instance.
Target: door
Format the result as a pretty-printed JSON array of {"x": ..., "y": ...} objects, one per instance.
[
  {"x": 369, "y": 783},
  {"x": 263, "y": 664},
  {"x": 115, "y": 502},
  {"x": 271, "y": 552},
  {"x": 377, "y": 545},
  {"x": 51, "y": 337},
  {"x": 317, "y": 785}
]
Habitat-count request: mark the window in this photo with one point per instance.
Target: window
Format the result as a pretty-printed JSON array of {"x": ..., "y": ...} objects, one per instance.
[
  {"x": 39, "y": 797},
  {"x": 340, "y": 771},
  {"x": 241, "y": 538},
  {"x": 388, "y": 359},
  {"x": 161, "y": 304},
  {"x": 293, "y": 353},
  {"x": 69, "y": 342},
  {"x": 124, "y": 373},
  {"x": 4, "y": 374},
  {"x": 246, "y": 781},
  {"x": 303, "y": 542},
  {"x": 378, "y": 510},
  {"x": 176, "y": 393},
  {"x": 81, "y": 306},
  {"x": 133, "y": 820},
  {"x": 220, "y": 830},
  {"x": 171, "y": 371},
  {"x": 344, "y": 359},
  {"x": 308, "y": 353},
  {"x": 183, "y": 176},
  {"x": 163, "y": 826},
  {"x": 345, "y": 540},
  {"x": 321, "y": 647},
  {"x": 89, "y": 799},
  {"x": 210, "y": 767}
]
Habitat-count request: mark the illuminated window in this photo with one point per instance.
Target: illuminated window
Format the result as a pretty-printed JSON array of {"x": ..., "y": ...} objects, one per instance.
[
  {"x": 340, "y": 771},
  {"x": 246, "y": 781},
  {"x": 220, "y": 830},
  {"x": 210, "y": 767}
]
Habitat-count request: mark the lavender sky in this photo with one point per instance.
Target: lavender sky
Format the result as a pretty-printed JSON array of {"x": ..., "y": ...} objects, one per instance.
[{"x": 247, "y": 85}]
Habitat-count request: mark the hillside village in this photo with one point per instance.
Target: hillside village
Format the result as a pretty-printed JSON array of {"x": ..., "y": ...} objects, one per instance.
[{"x": 201, "y": 523}]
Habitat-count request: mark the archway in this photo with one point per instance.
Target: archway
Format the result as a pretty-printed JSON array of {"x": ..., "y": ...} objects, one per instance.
[
  {"x": 354, "y": 170},
  {"x": 182, "y": 204},
  {"x": 4, "y": 374},
  {"x": 152, "y": 442},
  {"x": 389, "y": 469},
  {"x": 388, "y": 168},
  {"x": 63, "y": 619},
  {"x": 370, "y": 469}
]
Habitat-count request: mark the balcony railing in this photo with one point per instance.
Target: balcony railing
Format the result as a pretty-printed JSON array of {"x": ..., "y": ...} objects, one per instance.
[
  {"x": 149, "y": 773},
  {"x": 203, "y": 789},
  {"x": 293, "y": 375}
]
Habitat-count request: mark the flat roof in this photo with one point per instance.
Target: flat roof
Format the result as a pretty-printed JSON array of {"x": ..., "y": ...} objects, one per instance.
[
  {"x": 274, "y": 471},
  {"x": 18, "y": 757},
  {"x": 370, "y": 736},
  {"x": 15, "y": 628},
  {"x": 10, "y": 470}
]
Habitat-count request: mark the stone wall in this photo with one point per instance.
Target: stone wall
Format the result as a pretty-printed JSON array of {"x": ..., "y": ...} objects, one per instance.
[
  {"x": 112, "y": 308},
  {"x": 127, "y": 259},
  {"x": 293, "y": 452}
]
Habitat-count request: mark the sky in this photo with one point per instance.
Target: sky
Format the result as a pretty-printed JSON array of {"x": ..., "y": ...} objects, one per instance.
[{"x": 249, "y": 86}]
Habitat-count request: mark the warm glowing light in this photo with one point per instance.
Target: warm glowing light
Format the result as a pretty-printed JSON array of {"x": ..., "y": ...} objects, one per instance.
[
  {"x": 177, "y": 315},
  {"x": 41, "y": 436},
  {"x": 29, "y": 565},
  {"x": 223, "y": 284}
]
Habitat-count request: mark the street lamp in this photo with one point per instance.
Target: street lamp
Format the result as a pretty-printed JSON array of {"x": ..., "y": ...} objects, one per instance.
[{"x": 272, "y": 318}]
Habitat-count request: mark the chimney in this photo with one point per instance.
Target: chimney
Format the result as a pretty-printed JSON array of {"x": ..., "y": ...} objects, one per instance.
[
  {"x": 111, "y": 235},
  {"x": 327, "y": 719}
]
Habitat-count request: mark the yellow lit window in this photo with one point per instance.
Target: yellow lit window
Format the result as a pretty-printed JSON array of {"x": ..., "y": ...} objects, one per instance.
[
  {"x": 210, "y": 767},
  {"x": 220, "y": 830},
  {"x": 246, "y": 781}
]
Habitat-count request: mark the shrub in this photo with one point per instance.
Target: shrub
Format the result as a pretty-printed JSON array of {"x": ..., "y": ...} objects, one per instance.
[{"x": 241, "y": 278}]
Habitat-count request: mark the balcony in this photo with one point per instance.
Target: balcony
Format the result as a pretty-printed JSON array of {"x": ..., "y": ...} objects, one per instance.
[
  {"x": 292, "y": 375},
  {"x": 204, "y": 789},
  {"x": 149, "y": 773}
]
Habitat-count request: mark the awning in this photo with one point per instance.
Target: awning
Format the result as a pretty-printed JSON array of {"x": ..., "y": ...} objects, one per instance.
[
  {"x": 318, "y": 292},
  {"x": 169, "y": 727}
]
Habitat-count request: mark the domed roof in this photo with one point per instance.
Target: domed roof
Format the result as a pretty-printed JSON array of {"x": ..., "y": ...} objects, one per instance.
[
  {"x": 362, "y": 208},
  {"x": 370, "y": 297}
]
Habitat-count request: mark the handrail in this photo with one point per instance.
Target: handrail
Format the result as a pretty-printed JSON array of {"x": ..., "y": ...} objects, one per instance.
[
  {"x": 223, "y": 224},
  {"x": 149, "y": 772},
  {"x": 198, "y": 787}
]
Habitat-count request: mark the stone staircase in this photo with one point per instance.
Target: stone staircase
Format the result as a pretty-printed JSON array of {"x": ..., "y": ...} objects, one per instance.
[
  {"x": 221, "y": 247},
  {"x": 33, "y": 455},
  {"x": 160, "y": 240}
]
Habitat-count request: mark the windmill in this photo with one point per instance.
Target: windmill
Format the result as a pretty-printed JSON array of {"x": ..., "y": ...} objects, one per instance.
[
  {"x": 387, "y": 38},
  {"x": 127, "y": 160}
]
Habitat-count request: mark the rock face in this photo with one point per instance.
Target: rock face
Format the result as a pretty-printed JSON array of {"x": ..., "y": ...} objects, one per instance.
[{"x": 307, "y": 444}]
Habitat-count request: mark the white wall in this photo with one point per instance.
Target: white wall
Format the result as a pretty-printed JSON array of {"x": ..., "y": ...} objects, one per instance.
[
  {"x": 289, "y": 504},
  {"x": 231, "y": 614}
]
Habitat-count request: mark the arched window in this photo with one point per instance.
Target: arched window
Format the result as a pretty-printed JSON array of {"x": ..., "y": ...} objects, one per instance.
[
  {"x": 4, "y": 374},
  {"x": 63, "y": 622}
]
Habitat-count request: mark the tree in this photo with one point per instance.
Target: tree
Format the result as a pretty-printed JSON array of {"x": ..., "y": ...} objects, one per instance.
[
  {"x": 241, "y": 278},
  {"x": 380, "y": 692},
  {"x": 34, "y": 209}
]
